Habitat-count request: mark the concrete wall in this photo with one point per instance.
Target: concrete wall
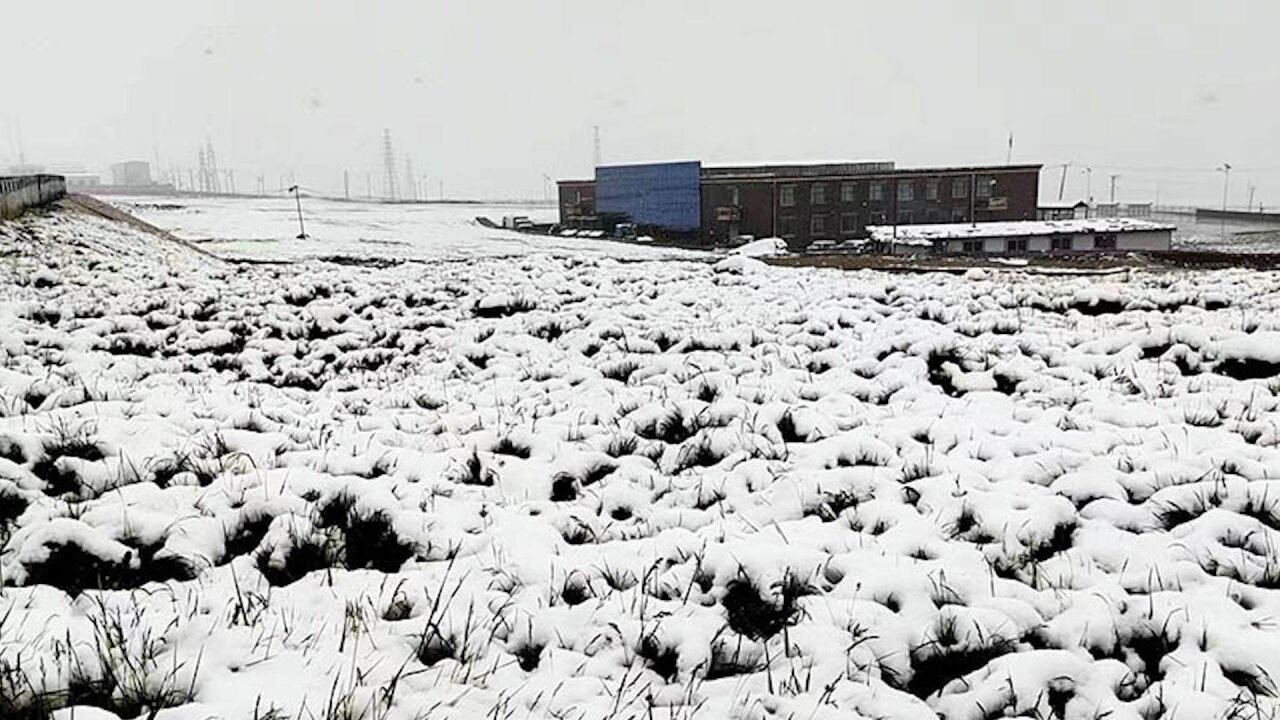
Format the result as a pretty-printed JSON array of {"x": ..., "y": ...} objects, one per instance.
[
  {"x": 27, "y": 191},
  {"x": 1145, "y": 240}
]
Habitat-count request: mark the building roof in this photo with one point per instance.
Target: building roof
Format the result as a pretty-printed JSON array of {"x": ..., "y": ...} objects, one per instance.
[
  {"x": 1062, "y": 205},
  {"x": 926, "y": 234},
  {"x": 816, "y": 171},
  {"x": 811, "y": 170}
]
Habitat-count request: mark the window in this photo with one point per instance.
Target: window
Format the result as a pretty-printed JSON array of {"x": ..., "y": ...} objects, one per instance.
[
  {"x": 1060, "y": 242},
  {"x": 787, "y": 225},
  {"x": 957, "y": 214},
  {"x": 984, "y": 185},
  {"x": 1105, "y": 241},
  {"x": 846, "y": 192},
  {"x": 733, "y": 197},
  {"x": 848, "y": 223},
  {"x": 1018, "y": 245},
  {"x": 906, "y": 191},
  {"x": 906, "y": 217},
  {"x": 879, "y": 218},
  {"x": 787, "y": 196},
  {"x": 817, "y": 194},
  {"x": 932, "y": 215},
  {"x": 877, "y": 190},
  {"x": 818, "y": 225},
  {"x": 960, "y": 188},
  {"x": 931, "y": 189},
  {"x": 971, "y": 246},
  {"x": 577, "y": 196}
]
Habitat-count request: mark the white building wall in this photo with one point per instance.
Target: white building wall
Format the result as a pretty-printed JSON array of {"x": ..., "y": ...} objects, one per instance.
[{"x": 1151, "y": 240}]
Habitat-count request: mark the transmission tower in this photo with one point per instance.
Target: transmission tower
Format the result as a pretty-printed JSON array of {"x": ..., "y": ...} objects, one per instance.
[
  {"x": 204, "y": 172},
  {"x": 389, "y": 164},
  {"x": 215, "y": 183}
]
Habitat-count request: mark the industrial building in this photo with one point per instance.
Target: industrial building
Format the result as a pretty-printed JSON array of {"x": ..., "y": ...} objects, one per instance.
[
  {"x": 132, "y": 174},
  {"x": 1023, "y": 237},
  {"x": 803, "y": 203}
]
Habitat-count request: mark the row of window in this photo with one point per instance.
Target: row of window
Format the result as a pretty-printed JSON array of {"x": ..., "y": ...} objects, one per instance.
[
  {"x": 933, "y": 190},
  {"x": 1057, "y": 242}
]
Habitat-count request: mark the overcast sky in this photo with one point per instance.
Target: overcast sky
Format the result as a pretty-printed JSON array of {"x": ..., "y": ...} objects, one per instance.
[{"x": 490, "y": 96}]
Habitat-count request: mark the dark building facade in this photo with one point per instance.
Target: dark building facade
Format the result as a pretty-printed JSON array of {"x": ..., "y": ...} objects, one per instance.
[{"x": 832, "y": 202}]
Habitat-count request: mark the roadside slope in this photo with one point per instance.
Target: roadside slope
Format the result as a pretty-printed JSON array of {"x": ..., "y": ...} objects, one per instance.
[{"x": 83, "y": 236}]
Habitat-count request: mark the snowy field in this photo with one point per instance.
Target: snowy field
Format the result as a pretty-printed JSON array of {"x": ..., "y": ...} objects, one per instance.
[
  {"x": 566, "y": 487},
  {"x": 267, "y": 229}
]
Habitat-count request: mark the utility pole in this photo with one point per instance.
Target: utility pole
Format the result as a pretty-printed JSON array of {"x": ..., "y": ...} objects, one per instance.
[
  {"x": 22, "y": 153},
  {"x": 1252, "y": 188},
  {"x": 1088, "y": 186},
  {"x": 368, "y": 185},
  {"x": 346, "y": 185},
  {"x": 973, "y": 191},
  {"x": 302, "y": 230},
  {"x": 1062, "y": 183},
  {"x": 1008, "y": 158},
  {"x": 595, "y": 129},
  {"x": 1113, "y": 187},
  {"x": 1226, "y": 183}
]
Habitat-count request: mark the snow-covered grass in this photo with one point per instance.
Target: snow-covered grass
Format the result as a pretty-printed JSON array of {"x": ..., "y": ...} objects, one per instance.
[{"x": 571, "y": 487}]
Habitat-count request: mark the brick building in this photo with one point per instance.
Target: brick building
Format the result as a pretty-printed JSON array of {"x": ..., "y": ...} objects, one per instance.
[
  {"x": 577, "y": 202},
  {"x": 825, "y": 202}
]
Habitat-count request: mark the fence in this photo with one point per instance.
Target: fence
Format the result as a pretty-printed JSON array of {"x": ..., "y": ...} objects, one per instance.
[{"x": 17, "y": 193}]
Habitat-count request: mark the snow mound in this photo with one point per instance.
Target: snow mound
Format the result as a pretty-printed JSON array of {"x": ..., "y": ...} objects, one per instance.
[{"x": 765, "y": 247}]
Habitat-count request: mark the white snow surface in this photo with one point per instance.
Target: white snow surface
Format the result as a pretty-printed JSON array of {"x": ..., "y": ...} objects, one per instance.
[
  {"x": 565, "y": 486},
  {"x": 267, "y": 229}
]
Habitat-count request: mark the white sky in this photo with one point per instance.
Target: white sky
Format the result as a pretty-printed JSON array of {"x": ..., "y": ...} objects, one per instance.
[{"x": 488, "y": 96}]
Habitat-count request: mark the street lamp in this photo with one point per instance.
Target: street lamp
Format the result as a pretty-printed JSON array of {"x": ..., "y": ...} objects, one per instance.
[
  {"x": 302, "y": 230},
  {"x": 1226, "y": 183}
]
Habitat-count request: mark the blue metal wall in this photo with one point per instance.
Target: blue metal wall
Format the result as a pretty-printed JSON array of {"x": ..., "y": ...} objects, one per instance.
[{"x": 667, "y": 195}]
